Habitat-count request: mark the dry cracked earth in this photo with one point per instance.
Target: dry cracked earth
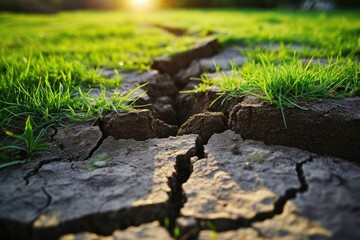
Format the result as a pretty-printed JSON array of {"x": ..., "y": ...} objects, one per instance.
[{"x": 181, "y": 168}]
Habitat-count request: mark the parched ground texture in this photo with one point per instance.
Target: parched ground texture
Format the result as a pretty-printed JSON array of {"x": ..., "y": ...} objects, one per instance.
[{"x": 184, "y": 168}]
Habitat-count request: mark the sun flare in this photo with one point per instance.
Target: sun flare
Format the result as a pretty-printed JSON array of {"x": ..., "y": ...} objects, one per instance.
[
  {"x": 140, "y": 2},
  {"x": 140, "y": 5}
]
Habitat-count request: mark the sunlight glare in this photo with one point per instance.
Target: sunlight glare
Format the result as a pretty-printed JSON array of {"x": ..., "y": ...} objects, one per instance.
[
  {"x": 140, "y": 2},
  {"x": 141, "y": 5}
]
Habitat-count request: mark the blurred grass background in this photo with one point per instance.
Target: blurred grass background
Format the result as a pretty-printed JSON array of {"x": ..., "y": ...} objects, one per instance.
[{"x": 49, "y": 61}]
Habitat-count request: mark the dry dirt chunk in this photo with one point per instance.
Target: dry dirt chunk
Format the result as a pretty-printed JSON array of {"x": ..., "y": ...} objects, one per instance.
[
  {"x": 328, "y": 210},
  {"x": 333, "y": 197},
  {"x": 136, "y": 124},
  {"x": 125, "y": 183},
  {"x": 287, "y": 226},
  {"x": 148, "y": 231},
  {"x": 163, "y": 108},
  {"x": 327, "y": 128},
  {"x": 187, "y": 105},
  {"x": 193, "y": 103},
  {"x": 239, "y": 180},
  {"x": 184, "y": 75},
  {"x": 160, "y": 85},
  {"x": 173, "y": 64},
  {"x": 205, "y": 124},
  {"x": 223, "y": 60},
  {"x": 290, "y": 225},
  {"x": 76, "y": 142}
]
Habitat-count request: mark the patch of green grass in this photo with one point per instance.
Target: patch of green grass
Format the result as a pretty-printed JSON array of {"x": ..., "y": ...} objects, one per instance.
[
  {"x": 54, "y": 96},
  {"x": 47, "y": 61},
  {"x": 286, "y": 82},
  {"x": 28, "y": 144}
]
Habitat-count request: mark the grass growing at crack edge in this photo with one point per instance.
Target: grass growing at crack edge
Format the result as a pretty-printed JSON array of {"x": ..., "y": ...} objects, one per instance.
[
  {"x": 28, "y": 144},
  {"x": 49, "y": 104},
  {"x": 46, "y": 66},
  {"x": 286, "y": 82}
]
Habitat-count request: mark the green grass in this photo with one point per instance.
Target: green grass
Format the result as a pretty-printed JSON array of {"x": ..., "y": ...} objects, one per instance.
[
  {"x": 285, "y": 83},
  {"x": 26, "y": 144},
  {"x": 48, "y": 61}
]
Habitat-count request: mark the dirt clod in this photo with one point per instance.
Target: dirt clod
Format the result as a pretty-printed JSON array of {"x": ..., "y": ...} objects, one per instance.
[
  {"x": 137, "y": 124},
  {"x": 76, "y": 142},
  {"x": 131, "y": 186},
  {"x": 205, "y": 124},
  {"x": 287, "y": 193},
  {"x": 329, "y": 128}
]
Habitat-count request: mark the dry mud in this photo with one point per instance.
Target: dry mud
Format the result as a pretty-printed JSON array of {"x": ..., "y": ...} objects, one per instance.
[{"x": 181, "y": 168}]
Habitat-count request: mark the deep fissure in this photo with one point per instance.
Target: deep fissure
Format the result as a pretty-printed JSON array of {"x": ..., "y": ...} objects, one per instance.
[
  {"x": 177, "y": 195},
  {"x": 48, "y": 199},
  {"x": 100, "y": 141}
]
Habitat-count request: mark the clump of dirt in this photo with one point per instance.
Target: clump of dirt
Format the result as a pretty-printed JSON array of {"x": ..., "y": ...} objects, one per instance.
[
  {"x": 205, "y": 125},
  {"x": 328, "y": 128},
  {"x": 137, "y": 124}
]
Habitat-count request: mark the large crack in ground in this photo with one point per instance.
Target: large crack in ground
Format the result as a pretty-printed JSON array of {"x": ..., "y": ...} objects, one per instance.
[
  {"x": 119, "y": 218},
  {"x": 288, "y": 195},
  {"x": 48, "y": 199},
  {"x": 104, "y": 135},
  {"x": 177, "y": 195},
  {"x": 227, "y": 224},
  {"x": 183, "y": 170}
]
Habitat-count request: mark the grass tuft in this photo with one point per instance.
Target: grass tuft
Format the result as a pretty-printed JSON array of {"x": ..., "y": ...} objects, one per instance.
[{"x": 287, "y": 82}]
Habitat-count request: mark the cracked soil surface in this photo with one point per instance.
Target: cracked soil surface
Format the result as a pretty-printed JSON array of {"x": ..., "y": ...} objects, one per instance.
[{"x": 181, "y": 168}]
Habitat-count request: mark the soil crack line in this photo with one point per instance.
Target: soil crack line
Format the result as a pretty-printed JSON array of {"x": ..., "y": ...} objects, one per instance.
[
  {"x": 228, "y": 224},
  {"x": 183, "y": 172},
  {"x": 36, "y": 169},
  {"x": 289, "y": 194},
  {"x": 100, "y": 142},
  {"x": 48, "y": 201}
]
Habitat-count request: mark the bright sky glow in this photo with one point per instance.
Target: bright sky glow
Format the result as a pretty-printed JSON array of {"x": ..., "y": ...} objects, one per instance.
[
  {"x": 140, "y": 2},
  {"x": 141, "y": 5}
]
